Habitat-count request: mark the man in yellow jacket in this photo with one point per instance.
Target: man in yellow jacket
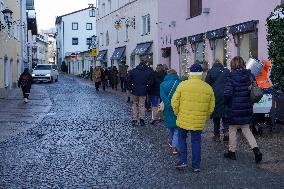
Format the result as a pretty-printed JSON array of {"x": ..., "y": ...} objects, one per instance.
[{"x": 193, "y": 103}]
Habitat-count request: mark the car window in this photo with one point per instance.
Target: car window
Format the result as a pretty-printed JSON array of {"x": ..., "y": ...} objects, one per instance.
[{"x": 43, "y": 67}]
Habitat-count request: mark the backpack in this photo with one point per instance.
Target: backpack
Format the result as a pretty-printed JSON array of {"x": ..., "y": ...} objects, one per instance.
[{"x": 25, "y": 80}]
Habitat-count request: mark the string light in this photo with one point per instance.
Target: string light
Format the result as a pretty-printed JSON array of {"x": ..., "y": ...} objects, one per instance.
[{"x": 227, "y": 45}]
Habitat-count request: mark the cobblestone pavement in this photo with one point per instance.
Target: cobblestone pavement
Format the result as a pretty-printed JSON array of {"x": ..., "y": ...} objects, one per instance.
[{"x": 86, "y": 141}]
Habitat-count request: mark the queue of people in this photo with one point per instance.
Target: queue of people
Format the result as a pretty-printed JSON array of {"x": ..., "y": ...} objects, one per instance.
[{"x": 220, "y": 94}]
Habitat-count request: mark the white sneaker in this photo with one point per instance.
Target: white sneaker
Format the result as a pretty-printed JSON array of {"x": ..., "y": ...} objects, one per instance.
[{"x": 25, "y": 100}]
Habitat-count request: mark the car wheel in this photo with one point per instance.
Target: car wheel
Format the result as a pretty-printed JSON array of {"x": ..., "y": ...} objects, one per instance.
[{"x": 56, "y": 80}]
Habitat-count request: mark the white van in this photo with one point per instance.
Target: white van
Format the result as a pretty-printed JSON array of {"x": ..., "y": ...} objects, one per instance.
[{"x": 45, "y": 72}]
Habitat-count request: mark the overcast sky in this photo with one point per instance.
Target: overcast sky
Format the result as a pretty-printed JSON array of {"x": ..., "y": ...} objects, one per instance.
[{"x": 47, "y": 10}]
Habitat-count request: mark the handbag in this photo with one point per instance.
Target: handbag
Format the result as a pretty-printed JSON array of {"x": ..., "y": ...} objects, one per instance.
[
  {"x": 161, "y": 106},
  {"x": 255, "y": 93}
]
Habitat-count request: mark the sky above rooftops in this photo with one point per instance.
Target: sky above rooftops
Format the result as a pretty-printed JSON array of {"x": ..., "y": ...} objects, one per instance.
[{"x": 47, "y": 10}]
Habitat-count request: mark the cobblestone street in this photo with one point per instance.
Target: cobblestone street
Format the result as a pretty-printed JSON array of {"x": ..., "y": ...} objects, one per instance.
[{"x": 83, "y": 139}]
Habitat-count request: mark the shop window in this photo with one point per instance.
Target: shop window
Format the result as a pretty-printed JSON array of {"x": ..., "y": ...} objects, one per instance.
[
  {"x": 183, "y": 62},
  {"x": 248, "y": 46},
  {"x": 219, "y": 50},
  {"x": 194, "y": 8},
  {"x": 199, "y": 49}
]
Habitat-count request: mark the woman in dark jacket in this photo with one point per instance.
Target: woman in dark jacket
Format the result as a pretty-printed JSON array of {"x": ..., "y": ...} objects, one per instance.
[
  {"x": 25, "y": 82},
  {"x": 114, "y": 77},
  {"x": 158, "y": 77},
  {"x": 240, "y": 107},
  {"x": 217, "y": 78}
]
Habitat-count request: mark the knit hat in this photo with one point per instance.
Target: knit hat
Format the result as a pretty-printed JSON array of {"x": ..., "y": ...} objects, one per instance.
[{"x": 196, "y": 69}]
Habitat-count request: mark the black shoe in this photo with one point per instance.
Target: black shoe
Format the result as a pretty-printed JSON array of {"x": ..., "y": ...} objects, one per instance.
[
  {"x": 153, "y": 122},
  {"x": 257, "y": 154},
  {"x": 230, "y": 155},
  {"x": 133, "y": 123},
  {"x": 142, "y": 122}
]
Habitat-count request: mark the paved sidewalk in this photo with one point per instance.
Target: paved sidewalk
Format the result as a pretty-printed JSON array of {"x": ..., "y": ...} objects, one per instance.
[{"x": 17, "y": 116}]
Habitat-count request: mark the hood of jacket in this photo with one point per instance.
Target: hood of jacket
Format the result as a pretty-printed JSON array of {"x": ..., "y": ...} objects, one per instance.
[{"x": 171, "y": 77}]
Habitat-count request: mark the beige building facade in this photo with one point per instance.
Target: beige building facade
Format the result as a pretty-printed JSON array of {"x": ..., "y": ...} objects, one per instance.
[{"x": 10, "y": 47}]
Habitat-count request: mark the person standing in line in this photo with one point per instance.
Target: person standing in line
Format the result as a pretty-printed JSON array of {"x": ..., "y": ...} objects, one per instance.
[
  {"x": 217, "y": 78},
  {"x": 193, "y": 103},
  {"x": 25, "y": 82},
  {"x": 167, "y": 89},
  {"x": 104, "y": 77},
  {"x": 97, "y": 74},
  {"x": 114, "y": 76},
  {"x": 237, "y": 98},
  {"x": 158, "y": 77},
  {"x": 140, "y": 80},
  {"x": 122, "y": 74}
]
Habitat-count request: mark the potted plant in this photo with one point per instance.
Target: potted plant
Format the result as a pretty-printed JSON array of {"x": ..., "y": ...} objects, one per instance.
[{"x": 275, "y": 38}]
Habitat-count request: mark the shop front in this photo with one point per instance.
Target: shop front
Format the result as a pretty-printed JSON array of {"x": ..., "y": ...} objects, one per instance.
[
  {"x": 118, "y": 56},
  {"x": 182, "y": 48},
  {"x": 101, "y": 59},
  {"x": 142, "y": 52}
]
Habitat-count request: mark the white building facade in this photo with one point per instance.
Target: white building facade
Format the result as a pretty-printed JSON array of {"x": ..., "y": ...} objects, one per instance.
[
  {"x": 127, "y": 32},
  {"x": 42, "y": 49},
  {"x": 74, "y": 33}
]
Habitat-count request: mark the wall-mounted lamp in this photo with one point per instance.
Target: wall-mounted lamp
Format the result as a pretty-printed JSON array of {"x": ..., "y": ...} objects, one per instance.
[
  {"x": 8, "y": 17},
  {"x": 236, "y": 39}
]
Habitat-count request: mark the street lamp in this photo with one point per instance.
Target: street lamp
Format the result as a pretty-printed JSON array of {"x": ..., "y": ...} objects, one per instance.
[{"x": 8, "y": 17}]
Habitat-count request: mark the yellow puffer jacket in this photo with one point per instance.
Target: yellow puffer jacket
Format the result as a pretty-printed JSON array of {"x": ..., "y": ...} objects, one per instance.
[{"x": 193, "y": 103}]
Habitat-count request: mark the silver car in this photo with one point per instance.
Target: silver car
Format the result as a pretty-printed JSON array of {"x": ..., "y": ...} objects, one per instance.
[{"x": 45, "y": 73}]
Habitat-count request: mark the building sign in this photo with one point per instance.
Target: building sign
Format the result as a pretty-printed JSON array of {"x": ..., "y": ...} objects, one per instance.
[
  {"x": 94, "y": 52},
  {"x": 245, "y": 27},
  {"x": 180, "y": 42}
]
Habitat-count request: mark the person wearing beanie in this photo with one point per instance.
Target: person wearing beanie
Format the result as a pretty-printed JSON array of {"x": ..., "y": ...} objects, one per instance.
[{"x": 193, "y": 103}]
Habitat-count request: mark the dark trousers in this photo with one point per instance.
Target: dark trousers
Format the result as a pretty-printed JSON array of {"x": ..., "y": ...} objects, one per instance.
[
  {"x": 217, "y": 125},
  {"x": 104, "y": 84},
  {"x": 122, "y": 84},
  {"x": 195, "y": 147},
  {"x": 26, "y": 92},
  {"x": 97, "y": 85}
]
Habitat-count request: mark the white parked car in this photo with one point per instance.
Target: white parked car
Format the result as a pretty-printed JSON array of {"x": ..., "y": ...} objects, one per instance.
[{"x": 45, "y": 72}]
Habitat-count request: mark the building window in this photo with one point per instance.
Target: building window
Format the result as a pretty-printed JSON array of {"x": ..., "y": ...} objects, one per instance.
[
  {"x": 219, "y": 51},
  {"x": 101, "y": 39},
  {"x": 89, "y": 26},
  {"x": 248, "y": 46},
  {"x": 199, "y": 49},
  {"x": 146, "y": 24},
  {"x": 103, "y": 9},
  {"x": 195, "y": 8},
  {"x": 92, "y": 13},
  {"x": 75, "y": 41},
  {"x": 89, "y": 41},
  {"x": 107, "y": 39},
  {"x": 109, "y": 5},
  {"x": 74, "y": 25}
]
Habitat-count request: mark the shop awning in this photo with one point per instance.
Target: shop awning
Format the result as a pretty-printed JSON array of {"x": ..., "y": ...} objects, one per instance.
[
  {"x": 216, "y": 34},
  {"x": 196, "y": 38},
  {"x": 180, "y": 42},
  {"x": 245, "y": 27},
  {"x": 141, "y": 48},
  {"x": 102, "y": 55},
  {"x": 118, "y": 53}
]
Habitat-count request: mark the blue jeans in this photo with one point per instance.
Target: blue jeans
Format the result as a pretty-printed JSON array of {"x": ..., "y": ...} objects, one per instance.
[
  {"x": 195, "y": 145},
  {"x": 217, "y": 125},
  {"x": 173, "y": 135},
  {"x": 154, "y": 101}
]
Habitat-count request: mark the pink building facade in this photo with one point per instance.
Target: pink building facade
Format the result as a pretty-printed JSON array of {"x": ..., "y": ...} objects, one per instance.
[{"x": 205, "y": 30}]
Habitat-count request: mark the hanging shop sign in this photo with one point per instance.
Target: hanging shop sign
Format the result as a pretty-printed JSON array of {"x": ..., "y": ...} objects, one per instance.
[
  {"x": 94, "y": 52},
  {"x": 196, "y": 38},
  {"x": 245, "y": 27},
  {"x": 216, "y": 34},
  {"x": 180, "y": 42}
]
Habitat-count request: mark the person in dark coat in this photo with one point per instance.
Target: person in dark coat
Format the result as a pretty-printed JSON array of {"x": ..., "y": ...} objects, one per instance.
[
  {"x": 158, "y": 78},
  {"x": 114, "y": 77},
  {"x": 217, "y": 78},
  {"x": 122, "y": 71},
  {"x": 240, "y": 107},
  {"x": 104, "y": 77},
  {"x": 25, "y": 82},
  {"x": 140, "y": 80}
]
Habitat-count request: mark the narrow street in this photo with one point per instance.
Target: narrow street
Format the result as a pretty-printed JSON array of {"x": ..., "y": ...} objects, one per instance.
[{"x": 75, "y": 137}]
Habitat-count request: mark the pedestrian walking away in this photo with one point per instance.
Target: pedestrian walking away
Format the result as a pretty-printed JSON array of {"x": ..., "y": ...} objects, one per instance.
[
  {"x": 140, "y": 80},
  {"x": 217, "y": 78},
  {"x": 104, "y": 73},
  {"x": 193, "y": 103},
  {"x": 97, "y": 74},
  {"x": 25, "y": 82},
  {"x": 167, "y": 89},
  {"x": 158, "y": 77},
  {"x": 122, "y": 76},
  {"x": 114, "y": 77},
  {"x": 237, "y": 98}
]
